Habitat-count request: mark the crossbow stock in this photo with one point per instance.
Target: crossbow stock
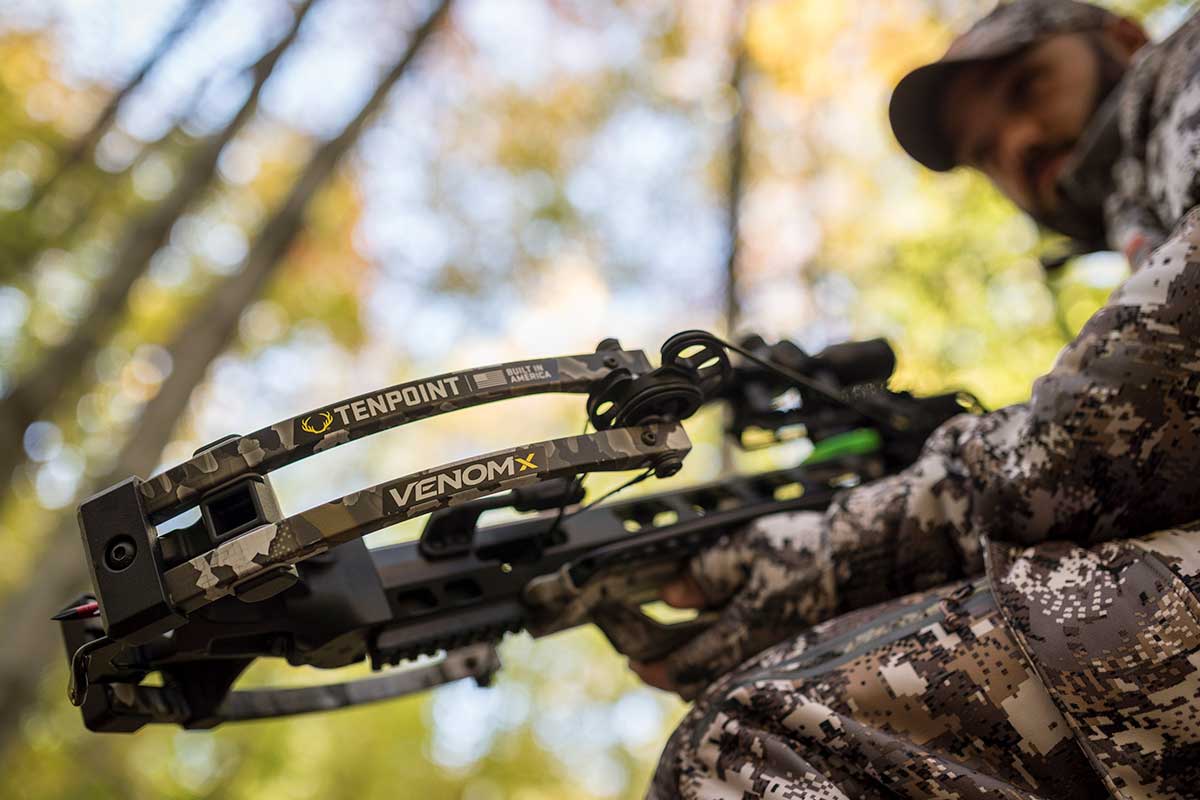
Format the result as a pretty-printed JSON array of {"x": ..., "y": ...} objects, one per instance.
[{"x": 199, "y": 603}]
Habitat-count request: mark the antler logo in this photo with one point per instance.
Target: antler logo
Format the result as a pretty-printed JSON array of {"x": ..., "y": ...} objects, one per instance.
[{"x": 324, "y": 420}]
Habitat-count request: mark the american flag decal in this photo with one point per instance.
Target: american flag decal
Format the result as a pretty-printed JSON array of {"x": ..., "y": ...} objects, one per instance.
[{"x": 490, "y": 379}]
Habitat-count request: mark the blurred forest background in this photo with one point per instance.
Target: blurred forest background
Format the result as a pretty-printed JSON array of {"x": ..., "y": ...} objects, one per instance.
[{"x": 217, "y": 214}]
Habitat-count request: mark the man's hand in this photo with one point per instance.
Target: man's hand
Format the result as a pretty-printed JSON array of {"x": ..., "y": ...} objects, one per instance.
[
  {"x": 683, "y": 592},
  {"x": 771, "y": 580}
]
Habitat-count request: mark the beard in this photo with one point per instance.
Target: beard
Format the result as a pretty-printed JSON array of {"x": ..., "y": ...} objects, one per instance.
[{"x": 1087, "y": 180}]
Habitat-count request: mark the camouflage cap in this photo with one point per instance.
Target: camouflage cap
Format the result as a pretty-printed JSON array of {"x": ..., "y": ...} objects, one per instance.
[{"x": 915, "y": 107}]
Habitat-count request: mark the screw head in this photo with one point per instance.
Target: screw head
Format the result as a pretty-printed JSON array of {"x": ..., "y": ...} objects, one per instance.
[
  {"x": 120, "y": 553},
  {"x": 649, "y": 437},
  {"x": 610, "y": 362}
]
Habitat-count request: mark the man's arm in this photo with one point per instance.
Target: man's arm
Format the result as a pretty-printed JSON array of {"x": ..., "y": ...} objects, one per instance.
[{"x": 1108, "y": 446}]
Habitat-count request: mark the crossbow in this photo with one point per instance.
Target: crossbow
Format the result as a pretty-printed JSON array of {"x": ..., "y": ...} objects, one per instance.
[{"x": 196, "y": 605}]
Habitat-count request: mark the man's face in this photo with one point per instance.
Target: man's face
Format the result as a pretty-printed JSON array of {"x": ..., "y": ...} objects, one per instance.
[{"x": 1017, "y": 119}]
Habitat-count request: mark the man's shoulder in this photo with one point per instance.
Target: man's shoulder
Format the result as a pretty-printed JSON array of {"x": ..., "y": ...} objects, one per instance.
[
  {"x": 1160, "y": 73},
  {"x": 1159, "y": 121}
]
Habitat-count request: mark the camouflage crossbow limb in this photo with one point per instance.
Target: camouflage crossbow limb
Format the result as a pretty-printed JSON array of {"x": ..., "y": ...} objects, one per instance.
[{"x": 198, "y": 604}]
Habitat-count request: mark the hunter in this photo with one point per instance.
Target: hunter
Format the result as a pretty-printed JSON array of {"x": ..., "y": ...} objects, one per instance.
[{"x": 1016, "y": 614}]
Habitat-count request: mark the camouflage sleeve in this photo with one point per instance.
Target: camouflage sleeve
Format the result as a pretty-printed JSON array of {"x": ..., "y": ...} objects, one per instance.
[
  {"x": 1158, "y": 115},
  {"x": 910, "y": 531},
  {"x": 1106, "y": 447},
  {"x": 786, "y": 572}
]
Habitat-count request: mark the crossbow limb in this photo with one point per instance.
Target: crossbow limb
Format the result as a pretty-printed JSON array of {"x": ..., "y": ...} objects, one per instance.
[
  {"x": 198, "y": 604},
  {"x": 181, "y": 487}
]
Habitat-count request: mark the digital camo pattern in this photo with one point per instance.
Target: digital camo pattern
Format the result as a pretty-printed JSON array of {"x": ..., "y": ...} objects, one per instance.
[
  {"x": 1115, "y": 632},
  {"x": 781, "y": 574},
  {"x": 1159, "y": 117},
  {"x": 180, "y": 487},
  {"x": 216, "y": 573},
  {"x": 1081, "y": 498},
  {"x": 771, "y": 579},
  {"x": 902, "y": 701}
]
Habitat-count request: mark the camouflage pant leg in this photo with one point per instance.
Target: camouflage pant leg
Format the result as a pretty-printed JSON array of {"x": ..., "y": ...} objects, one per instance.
[
  {"x": 1115, "y": 632},
  {"x": 915, "y": 698}
]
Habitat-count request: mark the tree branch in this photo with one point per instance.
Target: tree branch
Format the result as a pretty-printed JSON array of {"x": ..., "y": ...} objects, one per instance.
[
  {"x": 40, "y": 390},
  {"x": 86, "y": 144},
  {"x": 31, "y": 640}
]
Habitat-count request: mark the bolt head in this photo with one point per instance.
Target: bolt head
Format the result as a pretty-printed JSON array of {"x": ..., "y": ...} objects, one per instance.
[
  {"x": 120, "y": 553},
  {"x": 667, "y": 467}
]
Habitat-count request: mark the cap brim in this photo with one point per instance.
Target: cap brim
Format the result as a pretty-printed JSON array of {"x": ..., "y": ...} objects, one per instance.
[{"x": 915, "y": 112}]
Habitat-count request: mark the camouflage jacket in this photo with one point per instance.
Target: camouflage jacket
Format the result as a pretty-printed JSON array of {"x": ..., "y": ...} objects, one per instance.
[{"x": 1073, "y": 502}]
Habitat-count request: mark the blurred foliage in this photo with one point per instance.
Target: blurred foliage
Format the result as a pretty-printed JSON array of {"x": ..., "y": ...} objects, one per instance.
[
  {"x": 29, "y": 137},
  {"x": 555, "y": 175}
]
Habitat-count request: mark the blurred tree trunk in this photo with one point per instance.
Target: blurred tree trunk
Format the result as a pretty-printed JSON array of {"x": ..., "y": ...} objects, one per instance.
[
  {"x": 88, "y": 196},
  {"x": 31, "y": 640},
  {"x": 733, "y": 189},
  {"x": 733, "y": 199},
  {"x": 36, "y": 393},
  {"x": 85, "y": 145}
]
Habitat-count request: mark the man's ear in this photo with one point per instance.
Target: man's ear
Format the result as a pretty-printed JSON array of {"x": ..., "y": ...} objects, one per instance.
[{"x": 1127, "y": 35}]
